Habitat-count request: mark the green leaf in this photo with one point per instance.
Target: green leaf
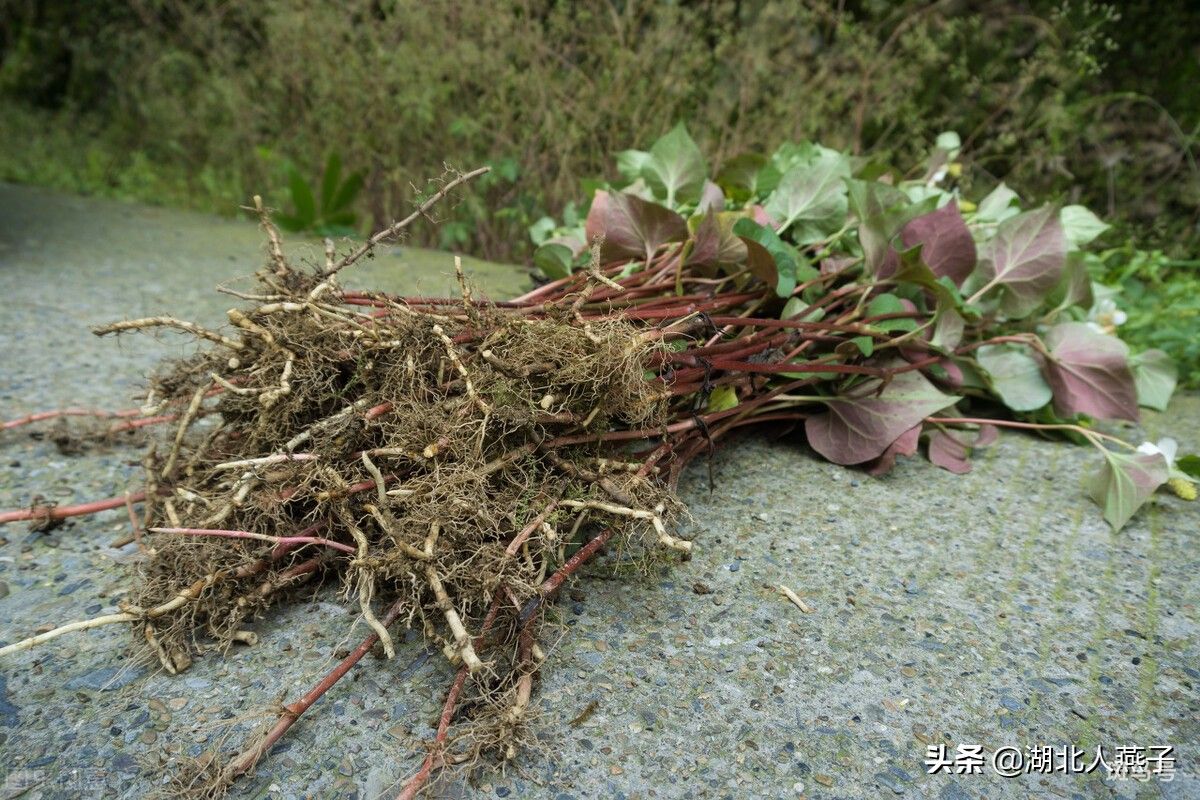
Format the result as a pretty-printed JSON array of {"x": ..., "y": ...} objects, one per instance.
[
  {"x": 1125, "y": 482},
  {"x": 812, "y": 198},
  {"x": 302, "y": 199},
  {"x": 348, "y": 191},
  {"x": 865, "y": 344},
  {"x": 676, "y": 168},
  {"x": 890, "y": 304},
  {"x": 721, "y": 398},
  {"x": 747, "y": 177},
  {"x": 788, "y": 261},
  {"x": 542, "y": 230},
  {"x": 950, "y": 142},
  {"x": 1155, "y": 376},
  {"x": 881, "y": 211},
  {"x": 1080, "y": 226},
  {"x": 1015, "y": 375},
  {"x": 630, "y": 163},
  {"x": 793, "y": 307},
  {"x": 554, "y": 260},
  {"x": 999, "y": 205},
  {"x": 1189, "y": 465},
  {"x": 329, "y": 180}
]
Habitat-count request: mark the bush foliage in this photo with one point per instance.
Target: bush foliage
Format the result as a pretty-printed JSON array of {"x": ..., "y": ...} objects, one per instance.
[{"x": 201, "y": 103}]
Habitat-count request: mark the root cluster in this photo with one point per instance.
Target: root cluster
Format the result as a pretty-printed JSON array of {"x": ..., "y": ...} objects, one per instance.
[{"x": 409, "y": 450}]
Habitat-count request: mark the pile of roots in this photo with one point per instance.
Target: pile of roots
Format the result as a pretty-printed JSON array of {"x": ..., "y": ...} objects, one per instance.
[{"x": 445, "y": 459}]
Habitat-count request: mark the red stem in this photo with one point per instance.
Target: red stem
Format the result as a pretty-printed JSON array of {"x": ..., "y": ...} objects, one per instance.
[{"x": 62, "y": 512}]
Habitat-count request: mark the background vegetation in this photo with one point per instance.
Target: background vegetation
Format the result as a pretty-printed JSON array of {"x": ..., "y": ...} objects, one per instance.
[{"x": 201, "y": 103}]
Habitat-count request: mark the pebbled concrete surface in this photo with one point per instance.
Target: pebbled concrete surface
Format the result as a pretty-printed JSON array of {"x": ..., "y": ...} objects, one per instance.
[{"x": 992, "y": 609}]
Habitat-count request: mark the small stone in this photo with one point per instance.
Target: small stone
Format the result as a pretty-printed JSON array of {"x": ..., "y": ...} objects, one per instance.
[
  {"x": 908, "y": 672},
  {"x": 823, "y": 779},
  {"x": 176, "y": 703},
  {"x": 149, "y": 737},
  {"x": 701, "y": 588},
  {"x": 3, "y": 589},
  {"x": 600, "y": 645},
  {"x": 615, "y": 769}
]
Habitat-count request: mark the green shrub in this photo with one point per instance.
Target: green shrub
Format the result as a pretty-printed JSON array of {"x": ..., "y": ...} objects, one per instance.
[{"x": 202, "y": 103}]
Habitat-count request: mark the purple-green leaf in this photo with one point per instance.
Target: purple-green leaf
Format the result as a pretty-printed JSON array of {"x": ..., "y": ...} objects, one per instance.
[
  {"x": 946, "y": 244},
  {"x": 859, "y": 428},
  {"x": 714, "y": 243},
  {"x": 906, "y": 445},
  {"x": 953, "y": 451},
  {"x": 1125, "y": 482},
  {"x": 1089, "y": 373},
  {"x": 1155, "y": 376},
  {"x": 1025, "y": 259},
  {"x": 630, "y": 226}
]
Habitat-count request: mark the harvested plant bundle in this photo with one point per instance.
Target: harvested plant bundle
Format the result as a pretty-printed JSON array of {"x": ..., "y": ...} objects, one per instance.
[{"x": 455, "y": 460}]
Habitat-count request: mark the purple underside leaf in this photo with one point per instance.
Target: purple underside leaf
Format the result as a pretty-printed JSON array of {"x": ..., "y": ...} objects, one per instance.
[
  {"x": 1026, "y": 258},
  {"x": 953, "y": 451},
  {"x": 860, "y": 428},
  {"x": 714, "y": 243},
  {"x": 1089, "y": 373},
  {"x": 946, "y": 243},
  {"x": 630, "y": 226},
  {"x": 1125, "y": 482},
  {"x": 906, "y": 445}
]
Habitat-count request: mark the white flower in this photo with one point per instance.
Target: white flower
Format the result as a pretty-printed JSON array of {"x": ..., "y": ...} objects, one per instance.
[
  {"x": 1105, "y": 316},
  {"x": 1166, "y": 447}
]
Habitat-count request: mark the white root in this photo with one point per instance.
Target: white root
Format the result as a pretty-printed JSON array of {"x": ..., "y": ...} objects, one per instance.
[
  {"x": 366, "y": 592},
  {"x": 664, "y": 538},
  {"x": 461, "y": 637},
  {"x": 452, "y": 352},
  {"x": 795, "y": 598},
  {"x": 185, "y": 422},
  {"x": 168, "y": 322}
]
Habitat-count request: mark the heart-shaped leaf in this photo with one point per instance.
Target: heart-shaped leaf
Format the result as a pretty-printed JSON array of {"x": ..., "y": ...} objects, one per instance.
[
  {"x": 1125, "y": 482},
  {"x": 1080, "y": 226},
  {"x": 676, "y": 168},
  {"x": 1155, "y": 376},
  {"x": 860, "y": 428},
  {"x": 812, "y": 198},
  {"x": 946, "y": 244},
  {"x": 630, "y": 226},
  {"x": 1015, "y": 376},
  {"x": 1089, "y": 373},
  {"x": 952, "y": 451},
  {"x": 1025, "y": 259},
  {"x": 714, "y": 244}
]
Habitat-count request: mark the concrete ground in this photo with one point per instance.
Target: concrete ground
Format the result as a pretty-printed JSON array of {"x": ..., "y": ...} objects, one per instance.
[{"x": 993, "y": 609}]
